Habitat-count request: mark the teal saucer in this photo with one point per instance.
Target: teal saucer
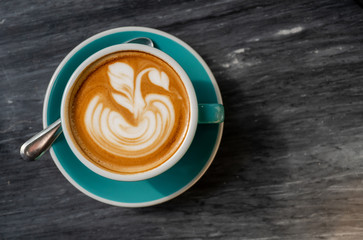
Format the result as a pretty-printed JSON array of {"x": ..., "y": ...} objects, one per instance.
[{"x": 172, "y": 182}]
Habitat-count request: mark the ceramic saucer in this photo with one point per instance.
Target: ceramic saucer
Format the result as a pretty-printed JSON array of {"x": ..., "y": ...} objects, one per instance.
[{"x": 172, "y": 182}]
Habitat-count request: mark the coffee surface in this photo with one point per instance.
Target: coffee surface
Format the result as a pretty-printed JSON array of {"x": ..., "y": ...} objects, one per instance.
[{"x": 129, "y": 112}]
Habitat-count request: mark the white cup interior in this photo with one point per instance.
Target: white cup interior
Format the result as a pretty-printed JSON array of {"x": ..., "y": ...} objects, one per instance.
[{"x": 168, "y": 163}]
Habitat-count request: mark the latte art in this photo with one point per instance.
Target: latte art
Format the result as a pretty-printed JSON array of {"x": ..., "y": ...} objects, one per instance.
[
  {"x": 129, "y": 112},
  {"x": 153, "y": 114}
]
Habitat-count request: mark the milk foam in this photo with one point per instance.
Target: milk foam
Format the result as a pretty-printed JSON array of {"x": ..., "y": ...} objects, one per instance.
[{"x": 153, "y": 113}]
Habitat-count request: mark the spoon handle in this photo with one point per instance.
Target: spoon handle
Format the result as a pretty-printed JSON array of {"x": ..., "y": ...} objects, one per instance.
[{"x": 39, "y": 143}]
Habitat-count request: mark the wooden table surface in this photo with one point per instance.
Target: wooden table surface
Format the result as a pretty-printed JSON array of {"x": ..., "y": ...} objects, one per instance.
[{"x": 290, "y": 165}]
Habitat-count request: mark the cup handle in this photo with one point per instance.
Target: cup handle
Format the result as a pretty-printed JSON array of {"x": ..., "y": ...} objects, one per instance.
[{"x": 211, "y": 113}]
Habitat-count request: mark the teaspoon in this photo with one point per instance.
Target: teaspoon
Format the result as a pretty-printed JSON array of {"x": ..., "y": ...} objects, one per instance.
[{"x": 41, "y": 142}]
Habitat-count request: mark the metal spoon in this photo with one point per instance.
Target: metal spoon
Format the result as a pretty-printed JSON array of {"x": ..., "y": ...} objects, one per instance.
[{"x": 41, "y": 142}]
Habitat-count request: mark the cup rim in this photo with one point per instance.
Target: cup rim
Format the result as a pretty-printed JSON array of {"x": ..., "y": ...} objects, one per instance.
[{"x": 188, "y": 136}]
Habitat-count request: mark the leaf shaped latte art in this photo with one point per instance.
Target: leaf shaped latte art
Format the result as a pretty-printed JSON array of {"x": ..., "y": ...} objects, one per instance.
[
  {"x": 159, "y": 78},
  {"x": 154, "y": 114}
]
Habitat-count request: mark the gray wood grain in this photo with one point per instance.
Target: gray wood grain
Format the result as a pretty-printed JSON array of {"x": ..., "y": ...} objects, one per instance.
[{"x": 290, "y": 165}]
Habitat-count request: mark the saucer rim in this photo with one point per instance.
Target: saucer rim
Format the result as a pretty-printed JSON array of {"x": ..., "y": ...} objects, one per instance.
[{"x": 218, "y": 96}]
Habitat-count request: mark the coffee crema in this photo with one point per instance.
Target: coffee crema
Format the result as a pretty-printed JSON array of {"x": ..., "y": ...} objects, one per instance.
[{"x": 129, "y": 112}]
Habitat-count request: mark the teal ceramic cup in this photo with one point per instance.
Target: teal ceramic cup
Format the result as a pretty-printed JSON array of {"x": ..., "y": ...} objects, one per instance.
[{"x": 200, "y": 113}]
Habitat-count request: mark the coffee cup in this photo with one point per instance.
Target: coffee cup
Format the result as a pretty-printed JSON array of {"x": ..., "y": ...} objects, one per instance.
[{"x": 129, "y": 112}]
